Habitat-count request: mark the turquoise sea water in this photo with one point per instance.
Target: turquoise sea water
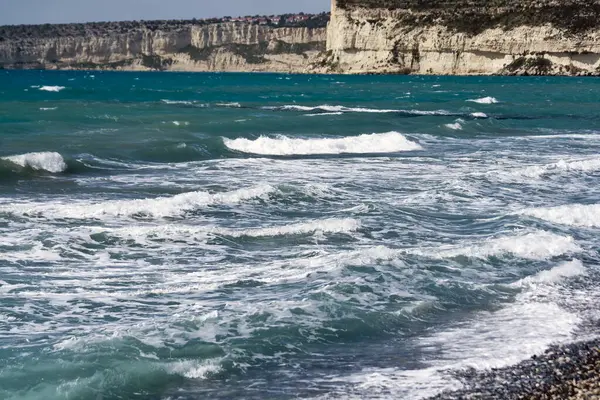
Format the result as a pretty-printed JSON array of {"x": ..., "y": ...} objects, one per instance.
[{"x": 188, "y": 236}]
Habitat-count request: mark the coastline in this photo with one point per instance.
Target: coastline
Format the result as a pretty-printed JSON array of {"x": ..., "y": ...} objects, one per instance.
[
  {"x": 570, "y": 371},
  {"x": 306, "y": 72}
]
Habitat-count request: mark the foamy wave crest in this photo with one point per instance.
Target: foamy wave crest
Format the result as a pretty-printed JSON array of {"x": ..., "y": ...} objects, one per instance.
[
  {"x": 229, "y": 105},
  {"x": 332, "y": 225},
  {"x": 390, "y": 142},
  {"x": 572, "y": 214},
  {"x": 537, "y": 171},
  {"x": 568, "y": 269},
  {"x": 456, "y": 126},
  {"x": 43, "y": 161},
  {"x": 159, "y": 207},
  {"x": 52, "y": 88},
  {"x": 193, "y": 369},
  {"x": 199, "y": 233},
  {"x": 485, "y": 100},
  {"x": 479, "y": 115},
  {"x": 343, "y": 109},
  {"x": 536, "y": 246}
]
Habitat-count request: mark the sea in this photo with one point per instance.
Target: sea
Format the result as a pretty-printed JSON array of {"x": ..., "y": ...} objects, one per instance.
[{"x": 262, "y": 236}]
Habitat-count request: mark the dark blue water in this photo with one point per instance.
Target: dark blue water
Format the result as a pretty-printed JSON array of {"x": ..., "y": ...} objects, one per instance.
[{"x": 185, "y": 236}]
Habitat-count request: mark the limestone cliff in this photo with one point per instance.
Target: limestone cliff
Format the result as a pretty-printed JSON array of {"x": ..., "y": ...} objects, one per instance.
[
  {"x": 228, "y": 46},
  {"x": 464, "y": 37}
]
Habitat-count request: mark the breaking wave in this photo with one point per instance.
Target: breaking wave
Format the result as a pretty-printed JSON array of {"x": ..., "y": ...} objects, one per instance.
[
  {"x": 52, "y": 88},
  {"x": 42, "y": 161},
  {"x": 537, "y": 171},
  {"x": 534, "y": 246},
  {"x": 485, "y": 100},
  {"x": 390, "y": 142},
  {"x": 158, "y": 207},
  {"x": 572, "y": 214},
  {"x": 342, "y": 109}
]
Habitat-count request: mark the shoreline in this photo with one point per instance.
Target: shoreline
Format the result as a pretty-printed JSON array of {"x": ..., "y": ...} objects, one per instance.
[
  {"x": 199, "y": 71},
  {"x": 570, "y": 371}
]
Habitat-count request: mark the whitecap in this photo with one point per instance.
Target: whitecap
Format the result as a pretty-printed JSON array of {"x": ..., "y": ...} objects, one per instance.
[
  {"x": 324, "y": 113},
  {"x": 562, "y": 166},
  {"x": 485, "y": 100},
  {"x": 390, "y": 142},
  {"x": 230, "y": 105},
  {"x": 52, "y": 88},
  {"x": 571, "y": 214},
  {"x": 479, "y": 115},
  {"x": 48, "y": 108},
  {"x": 557, "y": 274},
  {"x": 157, "y": 207},
  {"x": 343, "y": 109},
  {"x": 538, "y": 245},
  {"x": 194, "y": 369},
  {"x": 42, "y": 161},
  {"x": 456, "y": 126}
]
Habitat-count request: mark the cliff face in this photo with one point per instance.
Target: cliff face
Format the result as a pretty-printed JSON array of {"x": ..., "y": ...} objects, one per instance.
[
  {"x": 231, "y": 46},
  {"x": 464, "y": 37}
]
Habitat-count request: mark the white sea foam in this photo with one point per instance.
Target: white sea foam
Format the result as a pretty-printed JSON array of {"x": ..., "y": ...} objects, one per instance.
[
  {"x": 562, "y": 166},
  {"x": 230, "y": 105},
  {"x": 390, "y": 142},
  {"x": 536, "y": 246},
  {"x": 158, "y": 207},
  {"x": 193, "y": 369},
  {"x": 456, "y": 126},
  {"x": 485, "y": 100},
  {"x": 48, "y": 108},
  {"x": 324, "y": 113},
  {"x": 343, "y": 109},
  {"x": 557, "y": 274},
  {"x": 43, "y": 161},
  {"x": 479, "y": 115},
  {"x": 52, "y": 88},
  {"x": 194, "y": 233},
  {"x": 572, "y": 214}
]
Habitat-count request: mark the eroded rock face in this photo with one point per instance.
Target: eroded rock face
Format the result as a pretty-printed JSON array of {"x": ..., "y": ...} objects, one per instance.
[
  {"x": 536, "y": 37},
  {"x": 213, "y": 47}
]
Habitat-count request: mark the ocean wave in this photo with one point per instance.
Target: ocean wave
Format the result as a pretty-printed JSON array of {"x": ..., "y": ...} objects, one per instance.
[
  {"x": 184, "y": 103},
  {"x": 573, "y": 214},
  {"x": 52, "y": 88},
  {"x": 230, "y": 105},
  {"x": 479, "y": 115},
  {"x": 456, "y": 126},
  {"x": 557, "y": 274},
  {"x": 42, "y": 161},
  {"x": 390, "y": 142},
  {"x": 157, "y": 208},
  {"x": 194, "y": 369},
  {"x": 186, "y": 233},
  {"x": 562, "y": 166},
  {"x": 535, "y": 246},
  {"x": 48, "y": 108},
  {"x": 343, "y": 109},
  {"x": 485, "y": 100},
  {"x": 324, "y": 113}
]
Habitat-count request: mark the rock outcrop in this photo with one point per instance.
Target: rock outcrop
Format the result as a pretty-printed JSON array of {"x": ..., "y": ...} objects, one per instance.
[
  {"x": 464, "y": 37},
  {"x": 228, "y": 46}
]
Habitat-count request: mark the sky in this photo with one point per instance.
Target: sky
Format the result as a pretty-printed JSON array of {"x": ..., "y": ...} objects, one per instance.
[{"x": 13, "y": 12}]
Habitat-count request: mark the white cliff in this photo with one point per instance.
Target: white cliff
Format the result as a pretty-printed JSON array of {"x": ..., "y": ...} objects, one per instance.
[
  {"x": 214, "y": 47},
  {"x": 362, "y": 38}
]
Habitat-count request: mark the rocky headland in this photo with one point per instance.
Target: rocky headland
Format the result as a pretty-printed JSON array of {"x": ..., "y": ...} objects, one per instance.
[
  {"x": 464, "y": 37},
  {"x": 284, "y": 44}
]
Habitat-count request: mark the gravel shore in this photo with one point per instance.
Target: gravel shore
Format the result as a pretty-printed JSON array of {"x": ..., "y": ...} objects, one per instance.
[{"x": 563, "y": 372}]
